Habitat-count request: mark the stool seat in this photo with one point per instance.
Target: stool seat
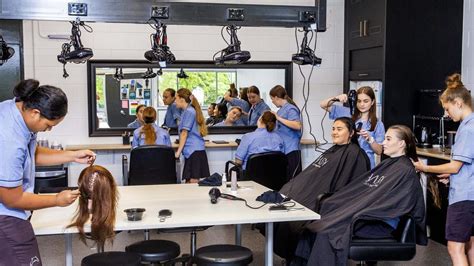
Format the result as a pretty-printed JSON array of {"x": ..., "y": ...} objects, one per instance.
[
  {"x": 223, "y": 255},
  {"x": 112, "y": 258},
  {"x": 155, "y": 250}
]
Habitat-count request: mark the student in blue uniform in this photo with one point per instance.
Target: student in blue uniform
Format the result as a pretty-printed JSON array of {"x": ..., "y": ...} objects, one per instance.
[
  {"x": 288, "y": 127},
  {"x": 150, "y": 133},
  {"x": 191, "y": 130},
  {"x": 258, "y": 106},
  {"x": 372, "y": 130},
  {"x": 173, "y": 114},
  {"x": 138, "y": 122},
  {"x": 263, "y": 139},
  {"x": 242, "y": 102},
  {"x": 457, "y": 103},
  {"x": 232, "y": 119},
  {"x": 34, "y": 109}
]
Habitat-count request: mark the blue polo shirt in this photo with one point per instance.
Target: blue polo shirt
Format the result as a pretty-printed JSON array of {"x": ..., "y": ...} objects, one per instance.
[
  {"x": 291, "y": 137},
  {"x": 162, "y": 137},
  {"x": 256, "y": 111},
  {"x": 195, "y": 141},
  {"x": 462, "y": 184},
  {"x": 17, "y": 156},
  {"x": 257, "y": 142},
  {"x": 241, "y": 103},
  {"x": 173, "y": 114},
  {"x": 378, "y": 134},
  {"x": 134, "y": 124}
]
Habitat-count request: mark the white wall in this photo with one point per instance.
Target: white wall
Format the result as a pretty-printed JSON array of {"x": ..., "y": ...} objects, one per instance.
[
  {"x": 468, "y": 45},
  {"x": 129, "y": 41}
]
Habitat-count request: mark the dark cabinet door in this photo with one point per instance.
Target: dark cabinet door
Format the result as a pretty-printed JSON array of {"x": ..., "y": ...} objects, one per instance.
[{"x": 365, "y": 23}]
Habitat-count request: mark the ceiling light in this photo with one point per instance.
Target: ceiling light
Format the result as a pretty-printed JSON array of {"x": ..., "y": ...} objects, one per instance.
[
  {"x": 79, "y": 54},
  {"x": 182, "y": 74},
  {"x": 149, "y": 74},
  {"x": 305, "y": 55},
  {"x": 6, "y": 52},
  {"x": 232, "y": 54},
  {"x": 160, "y": 52}
]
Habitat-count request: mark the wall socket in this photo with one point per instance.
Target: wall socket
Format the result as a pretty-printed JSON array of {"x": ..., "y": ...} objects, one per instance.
[
  {"x": 161, "y": 12},
  {"x": 235, "y": 14},
  {"x": 77, "y": 9},
  {"x": 307, "y": 16}
]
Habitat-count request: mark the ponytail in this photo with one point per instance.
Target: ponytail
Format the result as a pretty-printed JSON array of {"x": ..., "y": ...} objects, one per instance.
[
  {"x": 149, "y": 117},
  {"x": 269, "y": 120},
  {"x": 190, "y": 99}
]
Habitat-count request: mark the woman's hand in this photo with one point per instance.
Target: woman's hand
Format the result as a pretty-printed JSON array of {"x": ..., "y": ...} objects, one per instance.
[
  {"x": 66, "y": 197},
  {"x": 366, "y": 135},
  {"x": 419, "y": 166},
  {"x": 444, "y": 178},
  {"x": 342, "y": 98},
  {"x": 84, "y": 156},
  {"x": 176, "y": 155}
]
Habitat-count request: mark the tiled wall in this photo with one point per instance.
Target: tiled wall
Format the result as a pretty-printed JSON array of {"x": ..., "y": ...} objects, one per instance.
[{"x": 129, "y": 41}]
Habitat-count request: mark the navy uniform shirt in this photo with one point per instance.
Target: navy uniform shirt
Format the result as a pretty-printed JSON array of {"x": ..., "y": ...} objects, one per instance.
[{"x": 17, "y": 156}]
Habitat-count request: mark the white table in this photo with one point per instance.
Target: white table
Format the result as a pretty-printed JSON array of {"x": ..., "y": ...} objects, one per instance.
[{"x": 190, "y": 205}]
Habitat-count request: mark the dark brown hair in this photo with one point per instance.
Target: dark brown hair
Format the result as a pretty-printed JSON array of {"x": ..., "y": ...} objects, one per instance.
[
  {"x": 243, "y": 94},
  {"x": 351, "y": 127},
  {"x": 269, "y": 120},
  {"x": 455, "y": 89},
  {"x": 186, "y": 95},
  {"x": 373, "y": 109},
  {"x": 97, "y": 184},
  {"x": 49, "y": 100},
  {"x": 253, "y": 89},
  {"x": 280, "y": 92},
  {"x": 171, "y": 91},
  {"x": 233, "y": 91},
  {"x": 140, "y": 106},
  {"x": 149, "y": 117}
]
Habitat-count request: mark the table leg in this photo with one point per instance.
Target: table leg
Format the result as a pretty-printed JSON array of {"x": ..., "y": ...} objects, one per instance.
[
  {"x": 269, "y": 244},
  {"x": 238, "y": 234},
  {"x": 68, "y": 239}
]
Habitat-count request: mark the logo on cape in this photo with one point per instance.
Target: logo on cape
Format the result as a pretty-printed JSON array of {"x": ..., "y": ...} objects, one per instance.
[
  {"x": 374, "y": 180},
  {"x": 320, "y": 162}
]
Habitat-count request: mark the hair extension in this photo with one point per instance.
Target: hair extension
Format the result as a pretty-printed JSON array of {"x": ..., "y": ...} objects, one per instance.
[
  {"x": 373, "y": 109},
  {"x": 351, "y": 127},
  {"x": 455, "y": 89},
  {"x": 189, "y": 98},
  {"x": 280, "y": 92},
  {"x": 49, "y": 100},
  {"x": 97, "y": 185},
  {"x": 269, "y": 120},
  {"x": 149, "y": 117}
]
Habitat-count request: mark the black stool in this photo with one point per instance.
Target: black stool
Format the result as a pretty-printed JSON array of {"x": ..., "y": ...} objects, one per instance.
[
  {"x": 112, "y": 258},
  {"x": 155, "y": 251},
  {"x": 229, "y": 255}
]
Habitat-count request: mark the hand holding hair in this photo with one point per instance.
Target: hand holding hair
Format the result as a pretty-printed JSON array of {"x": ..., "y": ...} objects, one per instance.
[
  {"x": 66, "y": 197},
  {"x": 84, "y": 156}
]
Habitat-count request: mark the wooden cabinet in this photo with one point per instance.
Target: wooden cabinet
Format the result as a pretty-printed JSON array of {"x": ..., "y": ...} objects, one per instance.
[{"x": 408, "y": 45}]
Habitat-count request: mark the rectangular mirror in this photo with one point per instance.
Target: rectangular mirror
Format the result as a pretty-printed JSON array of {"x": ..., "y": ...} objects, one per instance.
[{"x": 116, "y": 88}]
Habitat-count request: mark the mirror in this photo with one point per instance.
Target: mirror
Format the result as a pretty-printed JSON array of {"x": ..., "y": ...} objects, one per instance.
[{"x": 116, "y": 88}]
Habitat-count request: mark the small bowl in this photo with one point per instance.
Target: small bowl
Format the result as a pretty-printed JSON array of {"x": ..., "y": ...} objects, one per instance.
[{"x": 134, "y": 214}]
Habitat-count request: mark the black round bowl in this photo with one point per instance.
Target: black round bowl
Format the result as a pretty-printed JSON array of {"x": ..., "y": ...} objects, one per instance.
[{"x": 134, "y": 214}]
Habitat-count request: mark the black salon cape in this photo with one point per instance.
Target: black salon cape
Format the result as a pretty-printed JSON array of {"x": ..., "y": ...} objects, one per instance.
[
  {"x": 328, "y": 173},
  {"x": 390, "y": 190}
]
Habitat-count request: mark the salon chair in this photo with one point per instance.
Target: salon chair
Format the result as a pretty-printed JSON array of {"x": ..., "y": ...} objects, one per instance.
[
  {"x": 400, "y": 247},
  {"x": 150, "y": 165},
  {"x": 112, "y": 258},
  {"x": 267, "y": 169},
  {"x": 220, "y": 255}
]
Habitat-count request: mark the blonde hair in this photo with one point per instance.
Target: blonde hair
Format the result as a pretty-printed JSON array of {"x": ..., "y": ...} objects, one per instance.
[
  {"x": 189, "y": 98},
  {"x": 455, "y": 89},
  {"x": 149, "y": 117}
]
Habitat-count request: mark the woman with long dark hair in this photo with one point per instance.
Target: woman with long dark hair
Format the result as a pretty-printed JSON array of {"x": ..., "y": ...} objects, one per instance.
[
  {"x": 372, "y": 130},
  {"x": 391, "y": 190},
  {"x": 150, "y": 133},
  {"x": 34, "y": 109},
  {"x": 289, "y": 128}
]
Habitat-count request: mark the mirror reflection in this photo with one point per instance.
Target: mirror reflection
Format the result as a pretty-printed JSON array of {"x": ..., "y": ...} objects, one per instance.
[{"x": 226, "y": 95}]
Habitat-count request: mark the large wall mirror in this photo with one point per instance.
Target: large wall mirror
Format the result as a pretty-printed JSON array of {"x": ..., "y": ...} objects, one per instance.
[{"x": 116, "y": 88}]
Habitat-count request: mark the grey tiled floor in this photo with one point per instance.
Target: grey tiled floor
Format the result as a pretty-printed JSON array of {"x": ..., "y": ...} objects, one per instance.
[{"x": 52, "y": 247}]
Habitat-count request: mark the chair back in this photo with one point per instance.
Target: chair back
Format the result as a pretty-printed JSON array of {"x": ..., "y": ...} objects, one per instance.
[
  {"x": 268, "y": 169},
  {"x": 151, "y": 165}
]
